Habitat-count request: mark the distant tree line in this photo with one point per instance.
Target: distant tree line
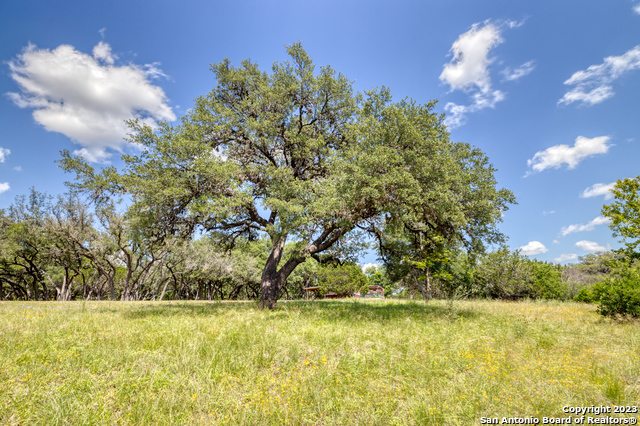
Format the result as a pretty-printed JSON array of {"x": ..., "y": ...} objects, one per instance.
[
  {"x": 62, "y": 248},
  {"x": 507, "y": 275}
]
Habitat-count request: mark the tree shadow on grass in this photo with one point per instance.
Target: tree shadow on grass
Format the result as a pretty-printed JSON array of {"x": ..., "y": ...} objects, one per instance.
[
  {"x": 188, "y": 308},
  {"x": 377, "y": 310},
  {"x": 330, "y": 310}
]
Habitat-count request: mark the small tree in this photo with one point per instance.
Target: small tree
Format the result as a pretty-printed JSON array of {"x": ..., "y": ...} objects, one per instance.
[
  {"x": 344, "y": 280},
  {"x": 624, "y": 213},
  {"x": 435, "y": 265},
  {"x": 619, "y": 294},
  {"x": 504, "y": 274},
  {"x": 547, "y": 281}
]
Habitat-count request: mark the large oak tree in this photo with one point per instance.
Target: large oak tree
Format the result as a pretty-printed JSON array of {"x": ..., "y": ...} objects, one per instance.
[{"x": 298, "y": 155}]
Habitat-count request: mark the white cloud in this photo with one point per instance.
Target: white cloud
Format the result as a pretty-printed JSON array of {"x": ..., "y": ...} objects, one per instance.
[
  {"x": 533, "y": 248},
  {"x": 153, "y": 71},
  {"x": 4, "y": 187},
  {"x": 457, "y": 114},
  {"x": 636, "y": 8},
  {"x": 556, "y": 156},
  {"x": 87, "y": 98},
  {"x": 102, "y": 52},
  {"x": 593, "y": 85},
  {"x": 519, "y": 72},
  {"x": 18, "y": 168},
  {"x": 564, "y": 257},
  {"x": 3, "y": 154},
  {"x": 544, "y": 213},
  {"x": 556, "y": 242},
  {"x": 515, "y": 24},
  {"x": 600, "y": 220},
  {"x": 468, "y": 69},
  {"x": 591, "y": 97},
  {"x": 369, "y": 265},
  {"x": 599, "y": 189},
  {"x": 591, "y": 246}
]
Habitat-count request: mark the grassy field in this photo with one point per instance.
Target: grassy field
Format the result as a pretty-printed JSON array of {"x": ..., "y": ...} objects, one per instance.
[{"x": 315, "y": 363}]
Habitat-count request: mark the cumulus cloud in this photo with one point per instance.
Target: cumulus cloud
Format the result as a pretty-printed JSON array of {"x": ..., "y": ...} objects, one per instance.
[
  {"x": 636, "y": 8},
  {"x": 87, "y": 97},
  {"x": 468, "y": 70},
  {"x": 3, "y": 154},
  {"x": 593, "y": 85},
  {"x": 591, "y": 246},
  {"x": 102, "y": 52},
  {"x": 556, "y": 156},
  {"x": 599, "y": 189},
  {"x": 565, "y": 257},
  {"x": 4, "y": 187},
  {"x": 600, "y": 220},
  {"x": 469, "y": 67},
  {"x": 533, "y": 248},
  {"x": 519, "y": 72}
]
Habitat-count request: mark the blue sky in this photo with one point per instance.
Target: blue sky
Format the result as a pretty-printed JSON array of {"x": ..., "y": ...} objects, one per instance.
[{"x": 548, "y": 89}]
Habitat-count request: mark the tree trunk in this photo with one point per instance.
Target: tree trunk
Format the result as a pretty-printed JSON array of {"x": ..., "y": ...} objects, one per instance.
[
  {"x": 112, "y": 288},
  {"x": 62, "y": 294},
  {"x": 273, "y": 279},
  {"x": 200, "y": 290},
  {"x": 164, "y": 289},
  {"x": 271, "y": 283},
  {"x": 421, "y": 287}
]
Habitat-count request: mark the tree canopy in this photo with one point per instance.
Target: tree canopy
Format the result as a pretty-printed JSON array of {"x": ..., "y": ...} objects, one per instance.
[
  {"x": 624, "y": 213},
  {"x": 300, "y": 156}
]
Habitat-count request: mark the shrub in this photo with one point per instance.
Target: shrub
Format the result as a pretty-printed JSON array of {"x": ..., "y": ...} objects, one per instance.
[
  {"x": 344, "y": 279},
  {"x": 618, "y": 297},
  {"x": 547, "y": 282},
  {"x": 504, "y": 274},
  {"x": 585, "y": 295}
]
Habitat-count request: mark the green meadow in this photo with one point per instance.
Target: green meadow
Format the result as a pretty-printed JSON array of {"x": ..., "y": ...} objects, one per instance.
[{"x": 309, "y": 363}]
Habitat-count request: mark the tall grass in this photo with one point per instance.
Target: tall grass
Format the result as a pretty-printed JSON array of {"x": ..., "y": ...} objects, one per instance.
[{"x": 328, "y": 362}]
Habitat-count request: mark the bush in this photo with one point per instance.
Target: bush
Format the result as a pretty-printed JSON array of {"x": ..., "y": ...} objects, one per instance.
[
  {"x": 504, "y": 274},
  {"x": 618, "y": 297},
  {"x": 343, "y": 280},
  {"x": 585, "y": 295},
  {"x": 547, "y": 281}
]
